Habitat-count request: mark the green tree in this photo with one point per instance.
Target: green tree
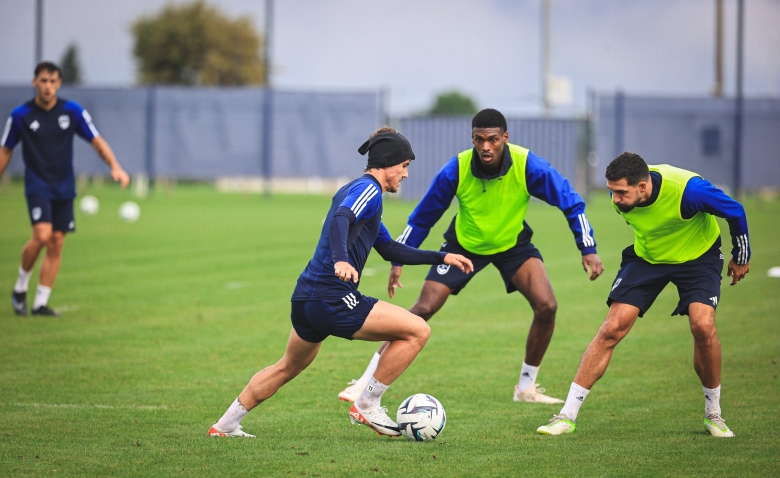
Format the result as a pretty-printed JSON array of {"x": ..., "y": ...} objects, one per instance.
[
  {"x": 70, "y": 65},
  {"x": 453, "y": 103},
  {"x": 196, "y": 44}
]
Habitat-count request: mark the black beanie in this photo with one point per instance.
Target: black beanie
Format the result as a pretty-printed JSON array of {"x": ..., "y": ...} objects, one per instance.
[{"x": 386, "y": 149}]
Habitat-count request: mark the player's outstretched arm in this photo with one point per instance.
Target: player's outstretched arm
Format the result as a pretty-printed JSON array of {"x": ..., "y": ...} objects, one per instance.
[
  {"x": 737, "y": 272},
  {"x": 5, "y": 158},
  {"x": 106, "y": 154},
  {"x": 592, "y": 265}
]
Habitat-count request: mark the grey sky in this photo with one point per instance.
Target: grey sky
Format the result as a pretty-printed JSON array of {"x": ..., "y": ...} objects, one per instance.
[{"x": 416, "y": 48}]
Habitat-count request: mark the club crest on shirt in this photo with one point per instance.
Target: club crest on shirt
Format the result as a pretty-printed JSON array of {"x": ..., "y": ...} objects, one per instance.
[
  {"x": 443, "y": 269},
  {"x": 64, "y": 121}
]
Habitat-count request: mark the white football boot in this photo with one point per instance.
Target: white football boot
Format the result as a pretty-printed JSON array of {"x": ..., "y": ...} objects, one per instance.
[
  {"x": 559, "y": 424},
  {"x": 238, "y": 432},
  {"x": 353, "y": 391},
  {"x": 375, "y": 419},
  {"x": 715, "y": 424},
  {"x": 534, "y": 394}
]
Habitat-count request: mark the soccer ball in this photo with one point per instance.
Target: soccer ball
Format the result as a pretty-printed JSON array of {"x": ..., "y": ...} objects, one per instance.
[
  {"x": 421, "y": 417},
  {"x": 129, "y": 211},
  {"x": 89, "y": 205}
]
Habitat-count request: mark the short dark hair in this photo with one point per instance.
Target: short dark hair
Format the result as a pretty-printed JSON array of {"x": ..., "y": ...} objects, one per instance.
[
  {"x": 630, "y": 166},
  {"x": 489, "y": 118},
  {"x": 48, "y": 66},
  {"x": 383, "y": 129}
]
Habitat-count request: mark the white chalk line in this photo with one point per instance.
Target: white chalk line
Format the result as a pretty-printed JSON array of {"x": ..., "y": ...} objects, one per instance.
[{"x": 82, "y": 405}]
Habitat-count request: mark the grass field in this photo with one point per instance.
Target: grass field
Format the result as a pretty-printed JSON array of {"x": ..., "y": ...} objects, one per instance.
[{"x": 165, "y": 320}]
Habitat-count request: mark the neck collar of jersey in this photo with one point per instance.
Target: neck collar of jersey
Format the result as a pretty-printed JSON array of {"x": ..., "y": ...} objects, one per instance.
[{"x": 480, "y": 172}]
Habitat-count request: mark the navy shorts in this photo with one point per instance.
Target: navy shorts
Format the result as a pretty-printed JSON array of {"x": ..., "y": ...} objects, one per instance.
[
  {"x": 315, "y": 320},
  {"x": 58, "y": 213},
  {"x": 638, "y": 282},
  {"x": 507, "y": 263}
]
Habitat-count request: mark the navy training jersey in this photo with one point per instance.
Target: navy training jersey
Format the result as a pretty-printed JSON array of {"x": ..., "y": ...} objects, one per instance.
[
  {"x": 47, "y": 145},
  {"x": 363, "y": 197}
]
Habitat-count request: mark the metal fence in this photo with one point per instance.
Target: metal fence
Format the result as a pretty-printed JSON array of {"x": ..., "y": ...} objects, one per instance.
[
  {"x": 692, "y": 133},
  {"x": 436, "y": 140},
  {"x": 205, "y": 133}
]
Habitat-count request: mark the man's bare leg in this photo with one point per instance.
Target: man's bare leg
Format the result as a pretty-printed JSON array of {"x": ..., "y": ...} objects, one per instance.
[
  {"x": 53, "y": 258},
  {"x": 707, "y": 363},
  {"x": 620, "y": 319},
  {"x": 265, "y": 383},
  {"x": 431, "y": 300}
]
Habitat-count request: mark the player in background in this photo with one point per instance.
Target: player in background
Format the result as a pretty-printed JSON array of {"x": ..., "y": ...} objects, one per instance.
[
  {"x": 45, "y": 125},
  {"x": 494, "y": 182},
  {"x": 326, "y": 300},
  {"x": 677, "y": 240}
]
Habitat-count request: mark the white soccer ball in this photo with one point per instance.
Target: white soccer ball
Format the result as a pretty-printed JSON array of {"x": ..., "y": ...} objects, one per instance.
[
  {"x": 129, "y": 211},
  {"x": 421, "y": 417},
  {"x": 89, "y": 205}
]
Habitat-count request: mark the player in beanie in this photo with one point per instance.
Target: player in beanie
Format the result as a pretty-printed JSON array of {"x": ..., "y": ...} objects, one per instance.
[{"x": 326, "y": 300}]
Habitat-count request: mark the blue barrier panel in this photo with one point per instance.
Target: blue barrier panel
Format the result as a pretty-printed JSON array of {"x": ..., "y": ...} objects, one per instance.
[{"x": 691, "y": 133}]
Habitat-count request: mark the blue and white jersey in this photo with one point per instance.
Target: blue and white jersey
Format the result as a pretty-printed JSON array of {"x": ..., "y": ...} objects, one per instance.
[
  {"x": 543, "y": 182},
  {"x": 361, "y": 202},
  {"x": 47, "y": 145}
]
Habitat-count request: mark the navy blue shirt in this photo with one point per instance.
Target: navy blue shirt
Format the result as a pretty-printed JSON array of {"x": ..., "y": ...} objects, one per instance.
[
  {"x": 542, "y": 180},
  {"x": 363, "y": 197},
  {"x": 47, "y": 145}
]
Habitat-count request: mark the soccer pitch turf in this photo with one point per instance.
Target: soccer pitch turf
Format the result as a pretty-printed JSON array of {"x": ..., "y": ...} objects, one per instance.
[{"x": 165, "y": 320}]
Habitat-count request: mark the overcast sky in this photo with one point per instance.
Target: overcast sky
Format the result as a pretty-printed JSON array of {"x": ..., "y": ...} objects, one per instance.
[{"x": 414, "y": 49}]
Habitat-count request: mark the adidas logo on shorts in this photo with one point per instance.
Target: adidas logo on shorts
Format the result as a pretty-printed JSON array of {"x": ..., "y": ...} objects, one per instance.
[{"x": 350, "y": 300}]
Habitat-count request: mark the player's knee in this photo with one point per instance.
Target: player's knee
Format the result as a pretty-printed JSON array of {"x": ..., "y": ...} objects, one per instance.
[
  {"x": 545, "y": 311},
  {"x": 704, "y": 332},
  {"x": 43, "y": 237},
  {"x": 611, "y": 333},
  {"x": 421, "y": 333},
  {"x": 424, "y": 310}
]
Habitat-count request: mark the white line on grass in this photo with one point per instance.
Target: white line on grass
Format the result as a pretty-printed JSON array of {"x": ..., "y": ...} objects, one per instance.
[{"x": 82, "y": 405}]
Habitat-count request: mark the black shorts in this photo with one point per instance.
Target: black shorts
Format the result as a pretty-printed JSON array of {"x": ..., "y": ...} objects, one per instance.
[
  {"x": 315, "y": 320},
  {"x": 507, "y": 263},
  {"x": 638, "y": 282},
  {"x": 58, "y": 213}
]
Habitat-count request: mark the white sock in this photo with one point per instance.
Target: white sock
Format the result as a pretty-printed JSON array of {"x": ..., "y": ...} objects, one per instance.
[
  {"x": 527, "y": 376},
  {"x": 370, "y": 369},
  {"x": 232, "y": 417},
  {"x": 41, "y": 296},
  {"x": 711, "y": 400},
  {"x": 574, "y": 401},
  {"x": 23, "y": 281},
  {"x": 372, "y": 395}
]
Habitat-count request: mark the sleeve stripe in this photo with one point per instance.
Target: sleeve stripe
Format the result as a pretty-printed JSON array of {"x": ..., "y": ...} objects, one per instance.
[
  {"x": 6, "y": 131},
  {"x": 366, "y": 200},
  {"x": 587, "y": 240},
  {"x": 742, "y": 242},
  {"x": 404, "y": 235},
  {"x": 88, "y": 119},
  {"x": 366, "y": 191}
]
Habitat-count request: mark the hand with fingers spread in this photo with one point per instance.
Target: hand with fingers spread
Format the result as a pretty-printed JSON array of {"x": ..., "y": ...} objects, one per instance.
[
  {"x": 395, "y": 280},
  {"x": 346, "y": 272},
  {"x": 737, "y": 272},
  {"x": 592, "y": 265},
  {"x": 461, "y": 262}
]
